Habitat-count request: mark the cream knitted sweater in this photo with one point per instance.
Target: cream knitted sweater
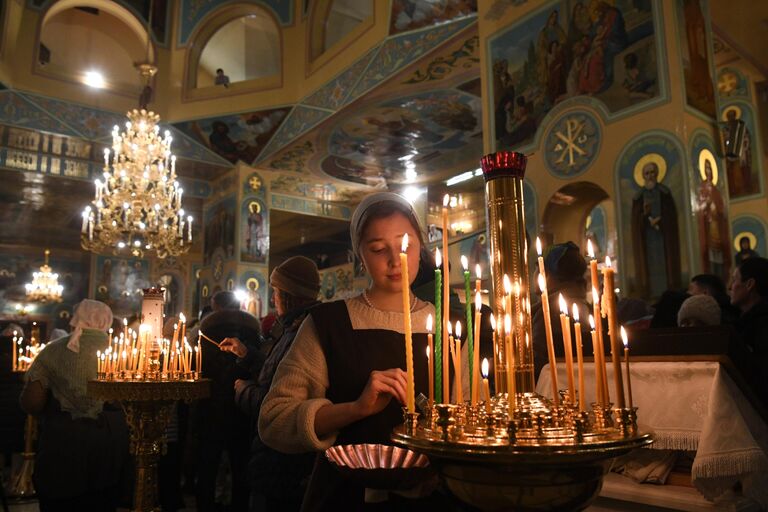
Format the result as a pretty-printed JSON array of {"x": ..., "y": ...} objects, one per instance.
[{"x": 287, "y": 418}]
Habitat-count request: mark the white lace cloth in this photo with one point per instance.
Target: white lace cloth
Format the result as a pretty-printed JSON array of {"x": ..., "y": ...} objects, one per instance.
[{"x": 694, "y": 406}]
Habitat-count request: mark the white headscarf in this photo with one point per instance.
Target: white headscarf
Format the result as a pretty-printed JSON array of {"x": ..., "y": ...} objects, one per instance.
[{"x": 89, "y": 314}]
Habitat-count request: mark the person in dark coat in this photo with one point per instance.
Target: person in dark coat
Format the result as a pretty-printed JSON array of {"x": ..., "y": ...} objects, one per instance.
[
  {"x": 221, "y": 426},
  {"x": 277, "y": 479},
  {"x": 749, "y": 292}
]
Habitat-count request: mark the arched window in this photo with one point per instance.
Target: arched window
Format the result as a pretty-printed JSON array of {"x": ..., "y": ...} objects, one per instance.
[
  {"x": 80, "y": 38},
  {"x": 333, "y": 20},
  {"x": 240, "y": 43}
]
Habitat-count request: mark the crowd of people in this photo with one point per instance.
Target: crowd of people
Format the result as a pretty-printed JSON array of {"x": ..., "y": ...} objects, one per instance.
[{"x": 320, "y": 375}]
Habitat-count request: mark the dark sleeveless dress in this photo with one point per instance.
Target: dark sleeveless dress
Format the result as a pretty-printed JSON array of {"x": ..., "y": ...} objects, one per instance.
[{"x": 351, "y": 355}]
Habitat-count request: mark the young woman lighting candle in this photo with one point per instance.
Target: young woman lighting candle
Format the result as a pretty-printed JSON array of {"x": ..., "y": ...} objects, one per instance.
[{"x": 343, "y": 380}]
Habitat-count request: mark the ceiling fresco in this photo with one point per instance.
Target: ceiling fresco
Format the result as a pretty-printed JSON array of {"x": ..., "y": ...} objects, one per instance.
[{"x": 413, "y": 14}]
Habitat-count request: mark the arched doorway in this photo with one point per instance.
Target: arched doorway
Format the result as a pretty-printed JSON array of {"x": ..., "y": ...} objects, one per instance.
[{"x": 572, "y": 212}]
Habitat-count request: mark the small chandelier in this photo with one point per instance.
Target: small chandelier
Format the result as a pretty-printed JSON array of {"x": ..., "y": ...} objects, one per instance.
[
  {"x": 137, "y": 206},
  {"x": 45, "y": 285}
]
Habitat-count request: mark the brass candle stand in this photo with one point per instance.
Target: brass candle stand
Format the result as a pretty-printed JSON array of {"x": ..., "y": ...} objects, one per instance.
[
  {"x": 539, "y": 454},
  {"x": 542, "y": 457},
  {"x": 148, "y": 405}
]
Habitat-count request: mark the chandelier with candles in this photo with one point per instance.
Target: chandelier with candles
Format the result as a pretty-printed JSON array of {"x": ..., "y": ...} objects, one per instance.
[
  {"x": 45, "y": 285},
  {"x": 137, "y": 206}
]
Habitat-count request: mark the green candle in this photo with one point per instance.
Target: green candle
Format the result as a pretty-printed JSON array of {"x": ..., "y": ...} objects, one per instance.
[
  {"x": 468, "y": 308},
  {"x": 438, "y": 329}
]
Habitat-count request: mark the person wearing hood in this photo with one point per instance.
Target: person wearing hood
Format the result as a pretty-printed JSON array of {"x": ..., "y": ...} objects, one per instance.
[
  {"x": 82, "y": 442},
  {"x": 221, "y": 426},
  {"x": 280, "y": 479}
]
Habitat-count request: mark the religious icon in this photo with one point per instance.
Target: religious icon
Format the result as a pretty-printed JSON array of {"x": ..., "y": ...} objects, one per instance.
[
  {"x": 253, "y": 302},
  {"x": 742, "y": 176},
  {"x": 712, "y": 218},
  {"x": 255, "y": 239},
  {"x": 655, "y": 232},
  {"x": 745, "y": 244}
]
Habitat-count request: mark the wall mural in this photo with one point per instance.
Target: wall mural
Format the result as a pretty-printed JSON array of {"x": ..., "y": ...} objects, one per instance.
[
  {"x": 572, "y": 143},
  {"x": 596, "y": 229},
  {"x": 254, "y": 236},
  {"x": 219, "y": 229},
  {"x": 238, "y": 136},
  {"x": 439, "y": 130},
  {"x": 652, "y": 197},
  {"x": 413, "y": 14},
  {"x": 731, "y": 83},
  {"x": 337, "y": 282},
  {"x": 256, "y": 287},
  {"x": 16, "y": 270},
  {"x": 749, "y": 238},
  {"x": 692, "y": 29},
  {"x": 744, "y": 172},
  {"x": 592, "y": 48},
  {"x": 118, "y": 282},
  {"x": 710, "y": 208}
]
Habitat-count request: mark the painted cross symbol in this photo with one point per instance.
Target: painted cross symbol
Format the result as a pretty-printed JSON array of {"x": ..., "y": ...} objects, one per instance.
[{"x": 571, "y": 139}]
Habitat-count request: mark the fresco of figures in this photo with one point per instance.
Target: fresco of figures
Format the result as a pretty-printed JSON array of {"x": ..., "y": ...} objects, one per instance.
[
  {"x": 694, "y": 47},
  {"x": 743, "y": 172},
  {"x": 604, "y": 50},
  {"x": 413, "y": 14},
  {"x": 219, "y": 229},
  {"x": 254, "y": 239}
]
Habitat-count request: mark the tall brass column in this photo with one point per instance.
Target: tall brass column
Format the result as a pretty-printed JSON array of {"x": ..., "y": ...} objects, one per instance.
[{"x": 504, "y": 172}]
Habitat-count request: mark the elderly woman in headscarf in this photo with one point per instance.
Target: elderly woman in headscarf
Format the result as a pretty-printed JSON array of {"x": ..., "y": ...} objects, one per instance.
[{"x": 82, "y": 442}]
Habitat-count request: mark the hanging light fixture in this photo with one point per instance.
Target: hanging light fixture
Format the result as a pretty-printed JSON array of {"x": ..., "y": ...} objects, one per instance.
[
  {"x": 45, "y": 285},
  {"x": 137, "y": 207}
]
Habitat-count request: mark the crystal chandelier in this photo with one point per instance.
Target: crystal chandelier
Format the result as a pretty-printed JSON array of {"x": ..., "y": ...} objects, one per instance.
[
  {"x": 137, "y": 206},
  {"x": 45, "y": 285}
]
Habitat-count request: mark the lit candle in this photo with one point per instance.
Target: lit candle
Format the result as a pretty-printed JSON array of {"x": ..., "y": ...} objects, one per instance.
[
  {"x": 599, "y": 351},
  {"x": 598, "y": 373},
  {"x": 565, "y": 325},
  {"x": 626, "y": 362},
  {"x": 468, "y": 312},
  {"x": 405, "y": 283},
  {"x": 495, "y": 351},
  {"x": 125, "y": 327},
  {"x": 197, "y": 359},
  {"x": 199, "y": 355},
  {"x": 613, "y": 330},
  {"x": 440, "y": 354},
  {"x": 13, "y": 350},
  {"x": 478, "y": 278},
  {"x": 430, "y": 360},
  {"x": 579, "y": 357},
  {"x": 98, "y": 361},
  {"x": 457, "y": 363},
  {"x": 476, "y": 363},
  {"x": 486, "y": 387},
  {"x": 548, "y": 332},
  {"x": 540, "y": 258},
  {"x": 431, "y": 382},
  {"x": 446, "y": 299},
  {"x": 183, "y": 321},
  {"x": 511, "y": 387}
]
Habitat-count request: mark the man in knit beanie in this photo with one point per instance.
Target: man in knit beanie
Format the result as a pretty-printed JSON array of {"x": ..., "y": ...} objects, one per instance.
[
  {"x": 278, "y": 478},
  {"x": 699, "y": 311}
]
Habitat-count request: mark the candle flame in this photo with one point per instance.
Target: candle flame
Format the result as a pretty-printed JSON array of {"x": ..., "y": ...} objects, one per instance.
[
  {"x": 478, "y": 301},
  {"x": 591, "y": 322},
  {"x": 507, "y": 285},
  {"x": 438, "y": 258},
  {"x": 608, "y": 261},
  {"x": 590, "y": 250},
  {"x": 478, "y": 272},
  {"x": 484, "y": 368},
  {"x": 404, "y": 246},
  {"x": 624, "y": 337},
  {"x": 493, "y": 322},
  {"x": 450, "y": 328},
  {"x": 538, "y": 246},
  {"x": 464, "y": 263},
  {"x": 563, "y": 305},
  {"x": 575, "y": 312},
  {"x": 446, "y": 201},
  {"x": 427, "y": 353},
  {"x": 125, "y": 321},
  {"x": 595, "y": 296},
  {"x": 507, "y": 324},
  {"x": 542, "y": 283},
  {"x": 458, "y": 329},
  {"x": 517, "y": 288},
  {"x": 429, "y": 322},
  {"x": 182, "y": 318}
]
